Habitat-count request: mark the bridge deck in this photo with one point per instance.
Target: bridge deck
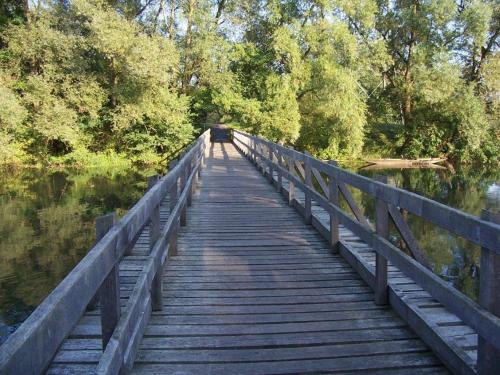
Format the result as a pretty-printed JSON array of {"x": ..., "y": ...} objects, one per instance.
[{"x": 255, "y": 290}]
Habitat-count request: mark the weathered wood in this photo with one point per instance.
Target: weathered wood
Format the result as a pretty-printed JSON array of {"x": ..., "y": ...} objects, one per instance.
[
  {"x": 233, "y": 296},
  {"x": 308, "y": 183},
  {"x": 300, "y": 169},
  {"x": 109, "y": 293},
  {"x": 156, "y": 287},
  {"x": 155, "y": 215},
  {"x": 291, "y": 186},
  {"x": 382, "y": 227},
  {"x": 40, "y": 336},
  {"x": 279, "y": 184},
  {"x": 322, "y": 184},
  {"x": 182, "y": 185},
  {"x": 333, "y": 198},
  {"x": 270, "y": 148},
  {"x": 131, "y": 328},
  {"x": 407, "y": 235},
  {"x": 352, "y": 204},
  {"x": 173, "y": 196},
  {"x": 488, "y": 356},
  {"x": 472, "y": 228}
]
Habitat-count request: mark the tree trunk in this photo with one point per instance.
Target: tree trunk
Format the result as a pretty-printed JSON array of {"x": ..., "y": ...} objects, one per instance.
[
  {"x": 171, "y": 20},
  {"x": 186, "y": 76}
]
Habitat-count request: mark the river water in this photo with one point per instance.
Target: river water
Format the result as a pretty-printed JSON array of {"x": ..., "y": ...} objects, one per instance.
[{"x": 46, "y": 224}]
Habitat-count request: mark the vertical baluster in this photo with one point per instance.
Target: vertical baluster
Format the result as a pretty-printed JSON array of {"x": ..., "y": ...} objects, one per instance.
[
  {"x": 259, "y": 160},
  {"x": 307, "y": 194},
  {"x": 280, "y": 175},
  {"x": 154, "y": 234},
  {"x": 263, "y": 162},
  {"x": 189, "y": 168},
  {"x": 196, "y": 176},
  {"x": 291, "y": 185},
  {"x": 109, "y": 292},
  {"x": 173, "y": 196},
  {"x": 254, "y": 150},
  {"x": 488, "y": 356},
  {"x": 183, "y": 181},
  {"x": 382, "y": 227},
  {"x": 102, "y": 226},
  {"x": 271, "y": 160},
  {"x": 203, "y": 147},
  {"x": 333, "y": 197},
  {"x": 154, "y": 229}
]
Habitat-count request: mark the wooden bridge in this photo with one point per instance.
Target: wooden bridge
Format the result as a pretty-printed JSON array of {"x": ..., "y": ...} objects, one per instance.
[{"x": 217, "y": 271}]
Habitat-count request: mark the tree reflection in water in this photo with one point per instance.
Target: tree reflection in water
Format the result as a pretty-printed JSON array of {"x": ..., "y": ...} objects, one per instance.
[
  {"x": 46, "y": 227},
  {"x": 46, "y": 224},
  {"x": 469, "y": 189}
]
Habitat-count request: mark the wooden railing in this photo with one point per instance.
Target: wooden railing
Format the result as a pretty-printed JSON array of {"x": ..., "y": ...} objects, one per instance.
[
  {"x": 31, "y": 347},
  {"x": 326, "y": 182}
]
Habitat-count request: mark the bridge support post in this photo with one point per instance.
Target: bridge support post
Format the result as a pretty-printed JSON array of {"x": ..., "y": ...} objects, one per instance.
[
  {"x": 271, "y": 159},
  {"x": 190, "y": 193},
  {"x": 154, "y": 229},
  {"x": 333, "y": 197},
  {"x": 109, "y": 292},
  {"x": 280, "y": 175},
  {"x": 382, "y": 228},
  {"x": 202, "y": 161},
  {"x": 182, "y": 185},
  {"x": 291, "y": 186},
  {"x": 173, "y": 197},
  {"x": 488, "y": 356},
  {"x": 307, "y": 194},
  {"x": 154, "y": 234},
  {"x": 254, "y": 149}
]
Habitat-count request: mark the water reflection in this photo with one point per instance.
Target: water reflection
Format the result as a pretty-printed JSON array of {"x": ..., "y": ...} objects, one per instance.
[
  {"x": 46, "y": 224},
  {"x": 46, "y": 227},
  {"x": 468, "y": 189}
]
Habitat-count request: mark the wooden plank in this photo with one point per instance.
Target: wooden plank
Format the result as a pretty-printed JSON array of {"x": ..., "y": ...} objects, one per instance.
[{"x": 472, "y": 228}]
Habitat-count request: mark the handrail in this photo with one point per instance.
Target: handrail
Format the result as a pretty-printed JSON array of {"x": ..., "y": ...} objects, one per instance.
[
  {"x": 120, "y": 352},
  {"x": 474, "y": 229},
  {"x": 31, "y": 347}
]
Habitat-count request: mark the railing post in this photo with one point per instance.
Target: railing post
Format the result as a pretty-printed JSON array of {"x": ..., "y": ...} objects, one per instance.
[
  {"x": 259, "y": 157},
  {"x": 382, "y": 227},
  {"x": 254, "y": 155},
  {"x": 333, "y": 197},
  {"x": 280, "y": 175},
  {"x": 102, "y": 226},
  {"x": 154, "y": 229},
  {"x": 291, "y": 186},
  {"x": 109, "y": 292},
  {"x": 271, "y": 159},
  {"x": 173, "y": 196},
  {"x": 202, "y": 161},
  {"x": 154, "y": 234},
  {"x": 307, "y": 194},
  {"x": 196, "y": 176},
  {"x": 188, "y": 173},
  {"x": 488, "y": 356},
  {"x": 183, "y": 181}
]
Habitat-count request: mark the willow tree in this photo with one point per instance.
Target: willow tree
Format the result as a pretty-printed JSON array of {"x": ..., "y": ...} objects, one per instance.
[{"x": 90, "y": 80}]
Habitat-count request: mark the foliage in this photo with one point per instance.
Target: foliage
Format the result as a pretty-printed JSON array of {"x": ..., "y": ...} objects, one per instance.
[
  {"x": 341, "y": 79},
  {"x": 84, "y": 79}
]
